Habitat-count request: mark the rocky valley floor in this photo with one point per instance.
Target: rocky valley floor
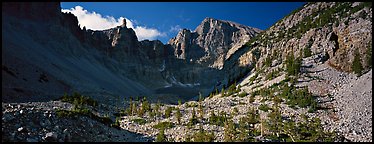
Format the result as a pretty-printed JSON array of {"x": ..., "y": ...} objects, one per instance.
[{"x": 344, "y": 107}]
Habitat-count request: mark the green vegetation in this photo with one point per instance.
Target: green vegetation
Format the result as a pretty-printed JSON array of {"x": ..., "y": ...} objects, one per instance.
[
  {"x": 307, "y": 131},
  {"x": 161, "y": 136},
  {"x": 267, "y": 62},
  {"x": 201, "y": 111},
  {"x": 192, "y": 104},
  {"x": 223, "y": 92},
  {"x": 235, "y": 111},
  {"x": 178, "y": 115},
  {"x": 151, "y": 114},
  {"x": 83, "y": 112},
  {"x": 116, "y": 124},
  {"x": 218, "y": 120},
  {"x": 139, "y": 121},
  {"x": 326, "y": 17},
  {"x": 202, "y": 136},
  {"x": 168, "y": 111},
  {"x": 139, "y": 107},
  {"x": 252, "y": 98},
  {"x": 264, "y": 107},
  {"x": 252, "y": 116},
  {"x": 272, "y": 74},
  {"x": 193, "y": 119},
  {"x": 164, "y": 125},
  {"x": 368, "y": 56},
  {"x": 300, "y": 97},
  {"x": 253, "y": 78},
  {"x": 293, "y": 65},
  {"x": 145, "y": 105},
  {"x": 179, "y": 102},
  {"x": 306, "y": 51},
  {"x": 157, "y": 109},
  {"x": 243, "y": 131},
  {"x": 80, "y": 108},
  {"x": 356, "y": 64},
  {"x": 230, "y": 131},
  {"x": 232, "y": 89},
  {"x": 256, "y": 52},
  {"x": 78, "y": 99},
  {"x": 274, "y": 121},
  {"x": 243, "y": 94}
]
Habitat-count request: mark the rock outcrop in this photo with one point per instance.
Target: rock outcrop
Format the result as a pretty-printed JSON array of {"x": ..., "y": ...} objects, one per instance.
[{"x": 212, "y": 42}]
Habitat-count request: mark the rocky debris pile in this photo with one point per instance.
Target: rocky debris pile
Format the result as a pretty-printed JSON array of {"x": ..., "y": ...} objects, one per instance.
[
  {"x": 38, "y": 122},
  {"x": 354, "y": 108},
  {"x": 347, "y": 99}
]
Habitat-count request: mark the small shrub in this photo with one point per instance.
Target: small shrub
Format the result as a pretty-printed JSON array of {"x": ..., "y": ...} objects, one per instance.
[
  {"x": 139, "y": 121},
  {"x": 168, "y": 111},
  {"x": 193, "y": 119},
  {"x": 78, "y": 99},
  {"x": 242, "y": 94},
  {"x": 202, "y": 136},
  {"x": 192, "y": 104},
  {"x": 235, "y": 111},
  {"x": 307, "y": 52},
  {"x": 217, "y": 120},
  {"x": 179, "y": 102},
  {"x": 252, "y": 98},
  {"x": 263, "y": 107}
]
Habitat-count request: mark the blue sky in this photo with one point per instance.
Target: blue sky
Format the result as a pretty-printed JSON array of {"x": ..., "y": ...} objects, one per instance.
[{"x": 162, "y": 20}]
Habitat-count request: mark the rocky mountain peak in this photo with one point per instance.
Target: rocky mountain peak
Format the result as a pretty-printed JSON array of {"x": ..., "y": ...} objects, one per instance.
[{"x": 212, "y": 42}]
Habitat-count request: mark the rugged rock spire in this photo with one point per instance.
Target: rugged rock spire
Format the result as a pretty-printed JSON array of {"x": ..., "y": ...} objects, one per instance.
[{"x": 123, "y": 23}]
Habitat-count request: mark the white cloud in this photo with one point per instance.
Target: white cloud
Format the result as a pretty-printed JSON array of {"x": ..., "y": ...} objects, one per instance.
[
  {"x": 96, "y": 21},
  {"x": 176, "y": 28}
]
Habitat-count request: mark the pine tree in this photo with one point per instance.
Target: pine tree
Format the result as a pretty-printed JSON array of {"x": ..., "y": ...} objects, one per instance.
[
  {"x": 201, "y": 111},
  {"x": 168, "y": 111},
  {"x": 243, "y": 130},
  {"x": 223, "y": 92},
  {"x": 307, "y": 52},
  {"x": 178, "y": 115},
  {"x": 368, "y": 56},
  {"x": 151, "y": 114},
  {"x": 230, "y": 132},
  {"x": 193, "y": 119},
  {"x": 275, "y": 121},
  {"x": 356, "y": 64},
  {"x": 134, "y": 109},
  {"x": 212, "y": 118},
  {"x": 179, "y": 102},
  {"x": 200, "y": 97},
  {"x": 161, "y": 136},
  {"x": 157, "y": 109}
]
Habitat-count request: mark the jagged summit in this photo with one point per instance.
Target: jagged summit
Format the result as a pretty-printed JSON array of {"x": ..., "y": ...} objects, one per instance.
[
  {"x": 213, "y": 22},
  {"x": 212, "y": 42}
]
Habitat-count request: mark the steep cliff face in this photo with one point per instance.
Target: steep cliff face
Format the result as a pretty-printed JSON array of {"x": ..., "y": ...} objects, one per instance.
[
  {"x": 46, "y": 54},
  {"x": 212, "y": 42},
  {"x": 44, "y": 59},
  {"x": 331, "y": 31}
]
